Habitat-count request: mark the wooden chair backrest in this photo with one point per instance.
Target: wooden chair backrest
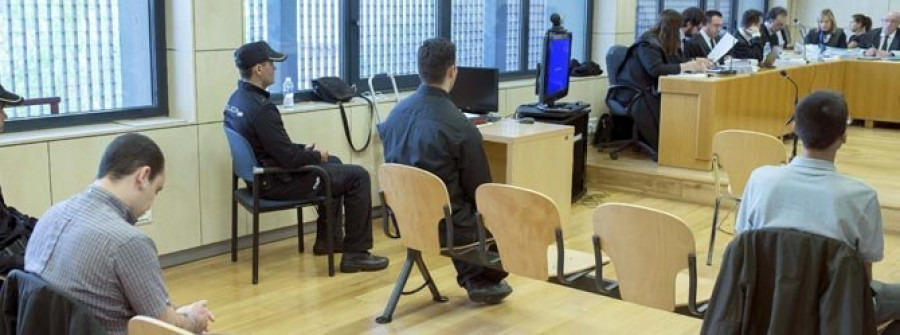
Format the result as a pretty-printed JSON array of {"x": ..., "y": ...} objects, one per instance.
[
  {"x": 523, "y": 223},
  {"x": 739, "y": 152},
  {"x": 648, "y": 248},
  {"x": 145, "y": 325},
  {"x": 417, "y": 198}
]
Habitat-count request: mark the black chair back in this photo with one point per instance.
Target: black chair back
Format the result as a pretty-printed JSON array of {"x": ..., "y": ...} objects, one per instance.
[
  {"x": 243, "y": 161},
  {"x": 615, "y": 57},
  {"x": 31, "y": 305}
]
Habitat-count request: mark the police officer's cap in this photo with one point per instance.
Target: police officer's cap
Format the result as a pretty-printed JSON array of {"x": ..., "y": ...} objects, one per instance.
[
  {"x": 254, "y": 53},
  {"x": 8, "y": 98}
]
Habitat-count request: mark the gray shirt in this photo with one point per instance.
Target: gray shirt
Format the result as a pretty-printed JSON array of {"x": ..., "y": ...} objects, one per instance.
[
  {"x": 810, "y": 195},
  {"x": 88, "y": 247}
]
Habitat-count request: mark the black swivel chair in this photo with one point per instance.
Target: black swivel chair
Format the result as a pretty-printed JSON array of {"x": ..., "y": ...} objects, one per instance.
[
  {"x": 246, "y": 168},
  {"x": 615, "y": 95}
]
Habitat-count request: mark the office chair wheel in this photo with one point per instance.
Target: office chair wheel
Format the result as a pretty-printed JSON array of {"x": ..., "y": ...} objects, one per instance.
[{"x": 614, "y": 155}]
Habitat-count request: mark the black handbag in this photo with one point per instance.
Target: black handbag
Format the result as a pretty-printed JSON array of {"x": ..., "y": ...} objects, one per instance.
[{"x": 335, "y": 90}]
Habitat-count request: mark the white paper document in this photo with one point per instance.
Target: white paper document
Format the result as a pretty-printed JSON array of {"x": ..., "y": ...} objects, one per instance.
[{"x": 722, "y": 47}]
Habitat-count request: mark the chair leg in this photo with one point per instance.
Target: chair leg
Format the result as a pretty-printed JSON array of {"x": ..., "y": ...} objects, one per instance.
[
  {"x": 300, "y": 245},
  {"x": 712, "y": 236},
  {"x": 234, "y": 229},
  {"x": 435, "y": 294},
  {"x": 329, "y": 233},
  {"x": 388, "y": 314},
  {"x": 255, "y": 247}
]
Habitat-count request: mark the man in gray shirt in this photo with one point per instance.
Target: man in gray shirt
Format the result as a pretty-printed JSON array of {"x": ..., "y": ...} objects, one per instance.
[
  {"x": 88, "y": 247},
  {"x": 810, "y": 195}
]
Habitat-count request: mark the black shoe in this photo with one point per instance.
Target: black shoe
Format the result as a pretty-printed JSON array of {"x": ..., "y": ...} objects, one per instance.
[
  {"x": 319, "y": 248},
  {"x": 487, "y": 292},
  {"x": 355, "y": 262}
]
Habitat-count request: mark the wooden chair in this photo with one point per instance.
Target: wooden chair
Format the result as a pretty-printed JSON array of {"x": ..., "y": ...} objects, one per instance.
[
  {"x": 525, "y": 224},
  {"x": 419, "y": 201},
  {"x": 145, "y": 325},
  {"x": 738, "y": 153},
  {"x": 650, "y": 249}
]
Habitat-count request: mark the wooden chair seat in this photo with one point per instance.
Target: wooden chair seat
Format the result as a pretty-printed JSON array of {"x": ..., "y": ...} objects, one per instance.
[
  {"x": 682, "y": 284},
  {"x": 576, "y": 261},
  {"x": 143, "y": 325}
]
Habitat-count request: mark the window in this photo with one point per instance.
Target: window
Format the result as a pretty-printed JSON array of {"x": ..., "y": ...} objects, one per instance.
[
  {"x": 648, "y": 10},
  {"x": 390, "y": 32},
  {"x": 356, "y": 39},
  {"x": 87, "y": 61},
  {"x": 574, "y": 19},
  {"x": 486, "y": 33}
]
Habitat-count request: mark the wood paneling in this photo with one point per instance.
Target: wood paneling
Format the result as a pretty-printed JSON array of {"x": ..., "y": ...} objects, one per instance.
[{"x": 695, "y": 109}]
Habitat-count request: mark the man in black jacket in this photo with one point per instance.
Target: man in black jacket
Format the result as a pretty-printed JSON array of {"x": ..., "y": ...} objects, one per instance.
[
  {"x": 703, "y": 42},
  {"x": 750, "y": 40},
  {"x": 428, "y": 131},
  {"x": 250, "y": 113},
  {"x": 775, "y": 30},
  {"x": 880, "y": 42}
]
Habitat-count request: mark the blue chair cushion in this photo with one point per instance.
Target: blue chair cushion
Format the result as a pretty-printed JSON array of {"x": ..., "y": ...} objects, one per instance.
[{"x": 245, "y": 198}]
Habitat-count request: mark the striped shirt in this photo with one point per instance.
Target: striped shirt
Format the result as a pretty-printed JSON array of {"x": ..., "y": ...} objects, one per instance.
[{"x": 88, "y": 247}]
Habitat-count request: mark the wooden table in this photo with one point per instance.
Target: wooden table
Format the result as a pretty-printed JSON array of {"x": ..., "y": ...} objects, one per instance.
[
  {"x": 695, "y": 109},
  {"x": 535, "y": 156}
]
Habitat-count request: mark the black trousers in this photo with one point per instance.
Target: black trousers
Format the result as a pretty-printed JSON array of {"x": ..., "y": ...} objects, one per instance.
[
  {"x": 466, "y": 272},
  {"x": 350, "y": 186}
]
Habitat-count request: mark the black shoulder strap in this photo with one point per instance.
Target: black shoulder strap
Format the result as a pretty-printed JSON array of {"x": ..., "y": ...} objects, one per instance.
[{"x": 347, "y": 127}]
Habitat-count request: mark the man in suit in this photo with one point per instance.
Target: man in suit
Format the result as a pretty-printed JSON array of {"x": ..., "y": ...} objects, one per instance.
[
  {"x": 775, "y": 29},
  {"x": 880, "y": 42},
  {"x": 692, "y": 20},
  {"x": 750, "y": 42},
  {"x": 702, "y": 43}
]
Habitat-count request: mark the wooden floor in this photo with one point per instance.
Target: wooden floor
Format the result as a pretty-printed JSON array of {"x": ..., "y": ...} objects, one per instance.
[
  {"x": 869, "y": 155},
  {"x": 295, "y": 295}
]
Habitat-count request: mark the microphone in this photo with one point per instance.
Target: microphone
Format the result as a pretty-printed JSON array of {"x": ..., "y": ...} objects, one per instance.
[
  {"x": 784, "y": 74},
  {"x": 801, "y": 27}
]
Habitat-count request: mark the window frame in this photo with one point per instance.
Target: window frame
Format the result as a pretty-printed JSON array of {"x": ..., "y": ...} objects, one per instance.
[
  {"x": 704, "y": 6},
  {"x": 159, "y": 106},
  {"x": 350, "y": 36}
]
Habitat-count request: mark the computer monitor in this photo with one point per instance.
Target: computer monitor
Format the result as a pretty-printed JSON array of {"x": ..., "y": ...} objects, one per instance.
[
  {"x": 553, "y": 81},
  {"x": 476, "y": 90}
]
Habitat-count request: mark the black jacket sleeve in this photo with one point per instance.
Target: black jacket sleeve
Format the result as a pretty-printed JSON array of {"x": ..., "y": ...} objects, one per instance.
[
  {"x": 275, "y": 141},
  {"x": 812, "y": 37},
  {"x": 694, "y": 49},
  {"x": 654, "y": 61},
  {"x": 839, "y": 40},
  {"x": 870, "y": 39},
  {"x": 474, "y": 169},
  {"x": 748, "y": 50}
]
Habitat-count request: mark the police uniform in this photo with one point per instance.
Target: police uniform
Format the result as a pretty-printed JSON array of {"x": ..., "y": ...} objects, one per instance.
[{"x": 251, "y": 113}]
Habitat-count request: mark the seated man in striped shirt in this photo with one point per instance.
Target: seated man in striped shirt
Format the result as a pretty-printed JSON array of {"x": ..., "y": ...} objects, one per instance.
[{"x": 88, "y": 247}]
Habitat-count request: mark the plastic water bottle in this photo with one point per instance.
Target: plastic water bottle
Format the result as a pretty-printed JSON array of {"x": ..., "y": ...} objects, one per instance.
[
  {"x": 288, "y": 90},
  {"x": 766, "y": 50}
]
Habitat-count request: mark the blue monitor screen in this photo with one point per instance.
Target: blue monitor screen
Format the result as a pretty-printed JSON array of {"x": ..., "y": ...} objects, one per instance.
[{"x": 557, "y": 69}]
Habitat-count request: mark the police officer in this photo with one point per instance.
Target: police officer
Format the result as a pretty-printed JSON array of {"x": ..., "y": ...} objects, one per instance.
[
  {"x": 7, "y": 99},
  {"x": 8, "y": 262},
  {"x": 250, "y": 113}
]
